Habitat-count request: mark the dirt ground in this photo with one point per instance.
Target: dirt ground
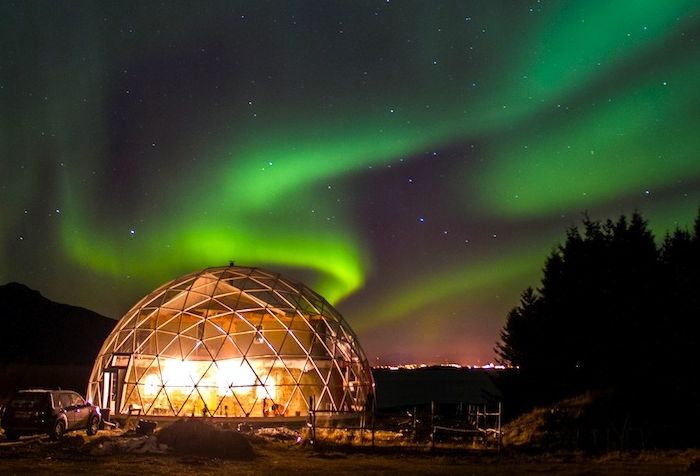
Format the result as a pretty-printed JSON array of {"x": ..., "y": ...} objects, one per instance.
[{"x": 79, "y": 454}]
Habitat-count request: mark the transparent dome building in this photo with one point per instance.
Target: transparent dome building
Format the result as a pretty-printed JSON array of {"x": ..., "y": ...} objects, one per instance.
[{"x": 231, "y": 342}]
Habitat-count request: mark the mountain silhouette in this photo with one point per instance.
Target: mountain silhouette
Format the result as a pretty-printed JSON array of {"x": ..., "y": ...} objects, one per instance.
[{"x": 36, "y": 330}]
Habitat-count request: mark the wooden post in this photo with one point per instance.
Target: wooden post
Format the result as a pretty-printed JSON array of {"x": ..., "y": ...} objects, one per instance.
[
  {"x": 624, "y": 432},
  {"x": 363, "y": 425},
  {"x": 432, "y": 426},
  {"x": 500, "y": 434},
  {"x": 312, "y": 418}
]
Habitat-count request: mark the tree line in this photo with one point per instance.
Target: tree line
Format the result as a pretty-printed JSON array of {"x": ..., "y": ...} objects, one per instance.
[{"x": 613, "y": 311}]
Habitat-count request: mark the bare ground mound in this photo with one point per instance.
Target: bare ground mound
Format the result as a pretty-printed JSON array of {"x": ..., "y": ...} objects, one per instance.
[{"x": 197, "y": 438}]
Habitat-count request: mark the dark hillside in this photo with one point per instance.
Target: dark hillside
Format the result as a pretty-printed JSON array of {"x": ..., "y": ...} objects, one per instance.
[
  {"x": 44, "y": 343},
  {"x": 37, "y": 330}
]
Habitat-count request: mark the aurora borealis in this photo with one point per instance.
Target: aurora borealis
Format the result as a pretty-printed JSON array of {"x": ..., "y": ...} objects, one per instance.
[{"x": 413, "y": 162}]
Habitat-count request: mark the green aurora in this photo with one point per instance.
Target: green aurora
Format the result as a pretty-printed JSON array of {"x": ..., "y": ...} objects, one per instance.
[{"x": 140, "y": 144}]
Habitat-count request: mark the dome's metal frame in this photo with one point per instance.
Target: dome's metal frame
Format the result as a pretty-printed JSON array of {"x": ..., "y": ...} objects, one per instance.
[{"x": 232, "y": 342}]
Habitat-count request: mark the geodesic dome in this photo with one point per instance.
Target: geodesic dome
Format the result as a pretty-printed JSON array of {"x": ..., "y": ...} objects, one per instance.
[{"x": 231, "y": 342}]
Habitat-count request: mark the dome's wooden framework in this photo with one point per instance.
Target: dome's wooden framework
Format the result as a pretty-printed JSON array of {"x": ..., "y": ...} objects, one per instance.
[{"x": 231, "y": 342}]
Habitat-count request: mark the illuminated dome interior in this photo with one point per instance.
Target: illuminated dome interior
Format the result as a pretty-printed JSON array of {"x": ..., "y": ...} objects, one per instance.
[{"x": 231, "y": 342}]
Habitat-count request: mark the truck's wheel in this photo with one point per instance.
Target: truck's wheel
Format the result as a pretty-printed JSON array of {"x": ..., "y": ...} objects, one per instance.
[
  {"x": 93, "y": 425},
  {"x": 59, "y": 428}
]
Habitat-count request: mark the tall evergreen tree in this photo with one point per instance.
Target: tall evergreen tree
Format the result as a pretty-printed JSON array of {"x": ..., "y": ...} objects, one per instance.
[
  {"x": 613, "y": 311},
  {"x": 520, "y": 342},
  {"x": 599, "y": 311}
]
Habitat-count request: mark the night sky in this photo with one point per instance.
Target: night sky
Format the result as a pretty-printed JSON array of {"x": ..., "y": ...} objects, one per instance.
[{"x": 414, "y": 162}]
